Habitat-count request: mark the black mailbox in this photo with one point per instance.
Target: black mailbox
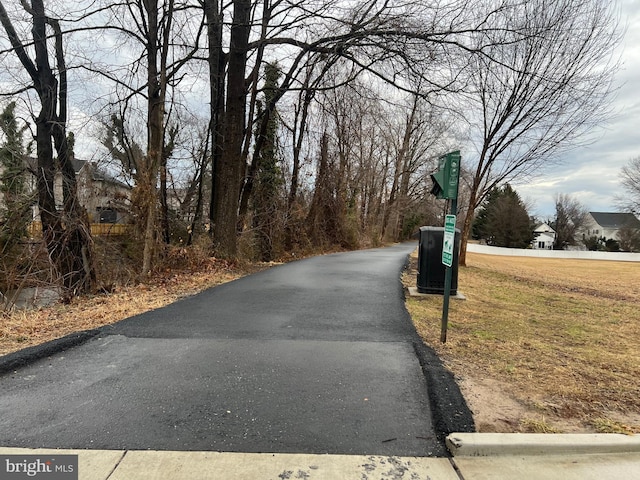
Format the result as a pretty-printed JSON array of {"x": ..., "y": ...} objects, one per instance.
[{"x": 431, "y": 271}]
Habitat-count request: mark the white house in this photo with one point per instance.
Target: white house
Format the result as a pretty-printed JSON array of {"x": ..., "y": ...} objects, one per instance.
[
  {"x": 607, "y": 225},
  {"x": 545, "y": 236}
]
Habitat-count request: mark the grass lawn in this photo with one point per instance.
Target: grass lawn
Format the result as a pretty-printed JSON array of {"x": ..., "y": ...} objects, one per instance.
[{"x": 562, "y": 337}]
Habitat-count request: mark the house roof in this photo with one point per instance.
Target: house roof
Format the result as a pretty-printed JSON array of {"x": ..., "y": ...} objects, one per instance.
[
  {"x": 544, "y": 228},
  {"x": 615, "y": 220},
  {"x": 78, "y": 164},
  {"x": 97, "y": 174}
]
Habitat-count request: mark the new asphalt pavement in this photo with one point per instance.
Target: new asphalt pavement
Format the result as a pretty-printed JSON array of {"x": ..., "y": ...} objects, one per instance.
[{"x": 315, "y": 356}]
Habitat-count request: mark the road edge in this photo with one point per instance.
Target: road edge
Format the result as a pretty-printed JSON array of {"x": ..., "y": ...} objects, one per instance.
[
  {"x": 445, "y": 395},
  {"x": 29, "y": 355}
]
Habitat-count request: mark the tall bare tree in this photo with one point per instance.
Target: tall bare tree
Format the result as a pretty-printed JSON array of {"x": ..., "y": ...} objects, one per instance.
[
  {"x": 536, "y": 92},
  {"x": 67, "y": 233},
  {"x": 386, "y": 41},
  {"x": 630, "y": 181},
  {"x": 166, "y": 36},
  {"x": 570, "y": 217},
  {"x": 228, "y": 172}
]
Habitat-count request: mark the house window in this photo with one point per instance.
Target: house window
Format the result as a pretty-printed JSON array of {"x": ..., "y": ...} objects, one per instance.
[
  {"x": 107, "y": 215},
  {"x": 540, "y": 244}
]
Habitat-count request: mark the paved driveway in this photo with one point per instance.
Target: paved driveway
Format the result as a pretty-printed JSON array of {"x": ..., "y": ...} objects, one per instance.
[{"x": 316, "y": 356}]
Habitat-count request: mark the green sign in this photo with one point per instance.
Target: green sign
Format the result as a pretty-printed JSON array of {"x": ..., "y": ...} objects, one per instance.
[
  {"x": 445, "y": 180},
  {"x": 449, "y": 240}
]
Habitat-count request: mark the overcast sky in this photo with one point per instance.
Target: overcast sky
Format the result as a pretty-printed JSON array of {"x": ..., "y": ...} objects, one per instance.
[{"x": 591, "y": 173}]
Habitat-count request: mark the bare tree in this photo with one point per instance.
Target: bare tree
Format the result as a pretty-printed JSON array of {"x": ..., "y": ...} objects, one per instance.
[
  {"x": 374, "y": 161},
  {"x": 630, "y": 181},
  {"x": 570, "y": 217},
  {"x": 66, "y": 234},
  {"x": 228, "y": 173},
  {"x": 629, "y": 238},
  {"x": 159, "y": 30},
  {"x": 420, "y": 136},
  {"x": 325, "y": 220},
  {"x": 386, "y": 41},
  {"x": 537, "y": 91}
]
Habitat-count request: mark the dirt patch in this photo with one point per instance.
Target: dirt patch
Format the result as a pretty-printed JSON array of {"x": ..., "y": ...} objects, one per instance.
[{"x": 493, "y": 409}]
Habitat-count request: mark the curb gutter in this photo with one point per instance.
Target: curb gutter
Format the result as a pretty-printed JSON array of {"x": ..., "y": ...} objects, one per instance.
[
  {"x": 21, "y": 358},
  {"x": 503, "y": 444}
]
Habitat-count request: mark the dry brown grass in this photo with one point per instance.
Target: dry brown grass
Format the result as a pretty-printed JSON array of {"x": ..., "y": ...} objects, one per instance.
[
  {"x": 561, "y": 336},
  {"x": 24, "y": 328}
]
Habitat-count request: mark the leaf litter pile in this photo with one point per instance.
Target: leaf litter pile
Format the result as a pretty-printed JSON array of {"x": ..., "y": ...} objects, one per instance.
[{"x": 560, "y": 337}]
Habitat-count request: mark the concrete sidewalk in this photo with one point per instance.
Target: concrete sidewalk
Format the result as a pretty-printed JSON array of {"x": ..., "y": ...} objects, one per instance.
[{"x": 476, "y": 456}]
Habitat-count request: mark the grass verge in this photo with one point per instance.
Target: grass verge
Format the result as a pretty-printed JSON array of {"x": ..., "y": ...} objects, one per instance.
[{"x": 560, "y": 336}]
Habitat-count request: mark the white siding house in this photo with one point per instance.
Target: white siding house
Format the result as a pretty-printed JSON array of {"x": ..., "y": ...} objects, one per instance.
[
  {"x": 545, "y": 236},
  {"x": 606, "y": 225}
]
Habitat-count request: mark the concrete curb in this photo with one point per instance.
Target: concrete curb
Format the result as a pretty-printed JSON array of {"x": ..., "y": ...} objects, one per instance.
[
  {"x": 21, "y": 358},
  {"x": 503, "y": 444},
  {"x": 414, "y": 293}
]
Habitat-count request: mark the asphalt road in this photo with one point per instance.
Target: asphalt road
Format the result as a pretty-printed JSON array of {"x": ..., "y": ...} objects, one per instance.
[{"x": 315, "y": 356}]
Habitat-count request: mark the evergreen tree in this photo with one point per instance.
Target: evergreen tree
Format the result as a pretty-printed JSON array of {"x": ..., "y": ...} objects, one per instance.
[
  {"x": 503, "y": 220},
  {"x": 16, "y": 201}
]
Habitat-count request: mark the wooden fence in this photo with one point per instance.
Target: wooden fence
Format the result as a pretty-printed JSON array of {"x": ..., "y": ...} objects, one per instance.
[{"x": 97, "y": 229}]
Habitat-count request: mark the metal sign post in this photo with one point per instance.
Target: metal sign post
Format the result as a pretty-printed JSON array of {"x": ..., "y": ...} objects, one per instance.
[
  {"x": 448, "y": 245},
  {"x": 445, "y": 185}
]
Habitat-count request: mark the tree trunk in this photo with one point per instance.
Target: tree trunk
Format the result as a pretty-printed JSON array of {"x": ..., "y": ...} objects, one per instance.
[
  {"x": 156, "y": 88},
  {"x": 164, "y": 203},
  {"x": 216, "y": 61},
  {"x": 466, "y": 226},
  {"x": 400, "y": 162},
  {"x": 197, "y": 215},
  {"x": 228, "y": 178},
  {"x": 68, "y": 239}
]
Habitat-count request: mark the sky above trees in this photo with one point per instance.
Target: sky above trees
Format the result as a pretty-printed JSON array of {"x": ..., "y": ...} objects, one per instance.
[{"x": 591, "y": 173}]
